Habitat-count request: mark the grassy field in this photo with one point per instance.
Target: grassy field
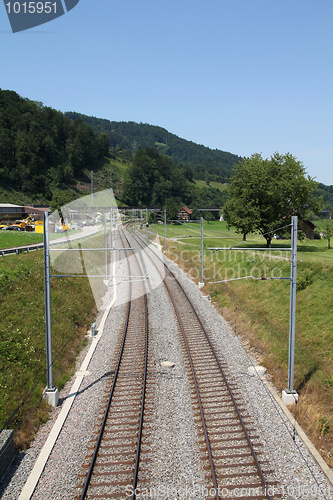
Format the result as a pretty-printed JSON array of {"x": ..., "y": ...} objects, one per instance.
[
  {"x": 12, "y": 239},
  {"x": 216, "y": 185},
  {"x": 22, "y": 337},
  {"x": 259, "y": 310}
]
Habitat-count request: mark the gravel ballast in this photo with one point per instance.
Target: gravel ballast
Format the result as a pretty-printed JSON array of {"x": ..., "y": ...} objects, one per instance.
[{"x": 175, "y": 470}]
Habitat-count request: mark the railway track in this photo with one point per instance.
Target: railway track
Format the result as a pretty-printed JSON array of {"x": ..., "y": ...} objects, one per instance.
[
  {"x": 113, "y": 463},
  {"x": 230, "y": 446}
]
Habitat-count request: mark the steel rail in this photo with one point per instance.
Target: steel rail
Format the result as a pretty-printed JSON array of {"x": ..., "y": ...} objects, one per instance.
[
  {"x": 264, "y": 483},
  {"x": 211, "y": 462},
  {"x": 106, "y": 413},
  {"x": 144, "y": 383},
  {"x": 229, "y": 390},
  {"x": 100, "y": 434},
  {"x": 138, "y": 448}
]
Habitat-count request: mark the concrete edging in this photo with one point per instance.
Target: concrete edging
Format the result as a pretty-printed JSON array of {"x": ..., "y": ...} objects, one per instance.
[
  {"x": 42, "y": 459},
  {"x": 315, "y": 454}
]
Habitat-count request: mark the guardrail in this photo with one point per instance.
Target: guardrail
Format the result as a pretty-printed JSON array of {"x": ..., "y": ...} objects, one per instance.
[
  {"x": 37, "y": 246},
  {"x": 17, "y": 250}
]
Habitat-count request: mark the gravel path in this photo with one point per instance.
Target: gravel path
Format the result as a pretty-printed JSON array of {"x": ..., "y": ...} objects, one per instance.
[{"x": 175, "y": 470}]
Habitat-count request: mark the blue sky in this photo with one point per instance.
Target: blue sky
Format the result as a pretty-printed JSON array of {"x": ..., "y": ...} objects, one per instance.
[{"x": 245, "y": 76}]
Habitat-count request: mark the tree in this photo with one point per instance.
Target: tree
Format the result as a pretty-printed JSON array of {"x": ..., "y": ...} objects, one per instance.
[
  {"x": 187, "y": 172},
  {"x": 152, "y": 179},
  {"x": 41, "y": 149},
  {"x": 265, "y": 193},
  {"x": 195, "y": 215},
  {"x": 104, "y": 147},
  {"x": 152, "y": 219},
  {"x": 171, "y": 208},
  {"x": 240, "y": 216},
  {"x": 328, "y": 231},
  {"x": 136, "y": 188},
  {"x": 209, "y": 217},
  {"x": 60, "y": 199}
]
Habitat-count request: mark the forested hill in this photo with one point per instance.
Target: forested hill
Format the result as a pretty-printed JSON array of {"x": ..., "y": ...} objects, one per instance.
[
  {"x": 48, "y": 157},
  {"x": 45, "y": 157},
  {"x": 41, "y": 150},
  {"x": 131, "y": 136}
]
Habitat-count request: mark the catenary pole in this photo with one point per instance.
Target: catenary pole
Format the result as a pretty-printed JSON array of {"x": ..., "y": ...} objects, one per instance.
[
  {"x": 289, "y": 395},
  {"x": 111, "y": 227},
  {"x": 105, "y": 248},
  {"x": 92, "y": 188},
  {"x": 201, "y": 252},
  {"x": 164, "y": 230},
  {"x": 292, "y": 319},
  {"x": 47, "y": 301}
]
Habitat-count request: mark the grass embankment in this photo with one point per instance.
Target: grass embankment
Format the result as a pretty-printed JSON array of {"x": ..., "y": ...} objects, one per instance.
[
  {"x": 22, "y": 336},
  {"x": 259, "y": 310}
]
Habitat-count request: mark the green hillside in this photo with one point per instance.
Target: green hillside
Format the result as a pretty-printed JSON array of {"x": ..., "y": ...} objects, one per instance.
[
  {"x": 42, "y": 152},
  {"x": 46, "y": 157},
  {"x": 216, "y": 185},
  {"x": 131, "y": 136}
]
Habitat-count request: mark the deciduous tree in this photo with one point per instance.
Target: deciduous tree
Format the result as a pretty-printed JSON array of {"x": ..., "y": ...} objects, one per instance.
[
  {"x": 328, "y": 231},
  {"x": 265, "y": 193},
  {"x": 171, "y": 208}
]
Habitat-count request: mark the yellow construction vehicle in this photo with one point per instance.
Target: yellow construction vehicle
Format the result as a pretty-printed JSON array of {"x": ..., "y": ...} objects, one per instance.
[{"x": 19, "y": 225}]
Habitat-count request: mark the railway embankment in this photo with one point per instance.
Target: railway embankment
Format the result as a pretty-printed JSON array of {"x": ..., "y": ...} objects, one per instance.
[{"x": 175, "y": 466}]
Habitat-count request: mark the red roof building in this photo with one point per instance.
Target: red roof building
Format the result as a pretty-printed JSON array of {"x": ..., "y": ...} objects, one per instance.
[{"x": 184, "y": 213}]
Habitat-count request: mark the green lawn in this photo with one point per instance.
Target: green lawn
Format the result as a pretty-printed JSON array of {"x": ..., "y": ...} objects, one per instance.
[
  {"x": 216, "y": 234},
  {"x": 260, "y": 309},
  {"x": 12, "y": 239}
]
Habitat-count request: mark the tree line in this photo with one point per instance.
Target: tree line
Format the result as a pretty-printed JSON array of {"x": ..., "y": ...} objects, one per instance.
[
  {"x": 46, "y": 155},
  {"x": 41, "y": 149},
  {"x": 130, "y": 136},
  {"x": 153, "y": 179}
]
